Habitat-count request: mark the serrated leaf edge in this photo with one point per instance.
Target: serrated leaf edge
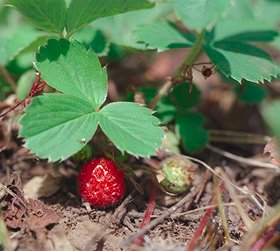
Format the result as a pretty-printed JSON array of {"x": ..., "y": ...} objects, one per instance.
[{"x": 150, "y": 114}]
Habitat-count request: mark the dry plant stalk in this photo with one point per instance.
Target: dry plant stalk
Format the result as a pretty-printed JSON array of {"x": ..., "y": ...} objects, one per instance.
[
  {"x": 247, "y": 221},
  {"x": 221, "y": 209}
]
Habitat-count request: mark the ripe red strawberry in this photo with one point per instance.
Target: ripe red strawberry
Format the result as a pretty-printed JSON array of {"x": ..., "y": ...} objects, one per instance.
[{"x": 101, "y": 183}]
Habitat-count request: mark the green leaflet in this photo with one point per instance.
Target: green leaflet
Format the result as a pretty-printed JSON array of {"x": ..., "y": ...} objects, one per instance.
[
  {"x": 56, "y": 126},
  {"x": 46, "y": 15},
  {"x": 82, "y": 12},
  {"x": 131, "y": 21},
  {"x": 71, "y": 69},
  {"x": 131, "y": 127},
  {"x": 161, "y": 36},
  {"x": 242, "y": 61}
]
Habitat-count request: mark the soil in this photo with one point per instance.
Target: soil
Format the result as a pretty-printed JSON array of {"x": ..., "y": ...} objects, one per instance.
[{"x": 43, "y": 211}]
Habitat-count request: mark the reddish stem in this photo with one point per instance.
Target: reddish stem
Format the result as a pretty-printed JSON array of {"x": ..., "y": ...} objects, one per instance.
[
  {"x": 263, "y": 240},
  {"x": 202, "y": 224},
  {"x": 148, "y": 213},
  {"x": 18, "y": 103},
  {"x": 37, "y": 86}
]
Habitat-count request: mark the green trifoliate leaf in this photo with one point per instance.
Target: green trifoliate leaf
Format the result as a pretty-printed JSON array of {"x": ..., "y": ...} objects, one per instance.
[
  {"x": 82, "y": 12},
  {"x": 71, "y": 69},
  {"x": 242, "y": 61},
  {"x": 131, "y": 20},
  {"x": 46, "y": 15},
  {"x": 200, "y": 14},
  {"x": 132, "y": 128},
  {"x": 250, "y": 93},
  {"x": 161, "y": 36},
  {"x": 55, "y": 126},
  {"x": 190, "y": 127}
]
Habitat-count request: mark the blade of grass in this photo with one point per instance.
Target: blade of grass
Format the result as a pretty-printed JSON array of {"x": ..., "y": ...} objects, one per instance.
[
  {"x": 247, "y": 221},
  {"x": 221, "y": 209},
  {"x": 247, "y": 161}
]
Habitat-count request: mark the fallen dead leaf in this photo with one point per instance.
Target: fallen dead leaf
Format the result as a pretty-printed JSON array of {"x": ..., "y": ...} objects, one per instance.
[
  {"x": 15, "y": 209},
  {"x": 19, "y": 212},
  {"x": 40, "y": 215}
]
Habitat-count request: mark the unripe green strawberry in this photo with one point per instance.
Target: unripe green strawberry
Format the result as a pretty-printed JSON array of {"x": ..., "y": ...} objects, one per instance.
[
  {"x": 179, "y": 174},
  {"x": 101, "y": 183}
]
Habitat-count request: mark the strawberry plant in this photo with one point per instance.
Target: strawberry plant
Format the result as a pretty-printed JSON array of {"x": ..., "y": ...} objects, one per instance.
[
  {"x": 71, "y": 37},
  {"x": 76, "y": 112}
]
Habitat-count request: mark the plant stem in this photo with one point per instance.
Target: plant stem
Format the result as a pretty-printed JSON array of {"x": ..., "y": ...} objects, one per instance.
[
  {"x": 264, "y": 239},
  {"x": 205, "y": 219},
  {"x": 237, "y": 137},
  {"x": 247, "y": 161},
  {"x": 190, "y": 59},
  {"x": 247, "y": 221},
  {"x": 221, "y": 209},
  {"x": 148, "y": 213},
  {"x": 164, "y": 89},
  {"x": 194, "y": 53}
]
